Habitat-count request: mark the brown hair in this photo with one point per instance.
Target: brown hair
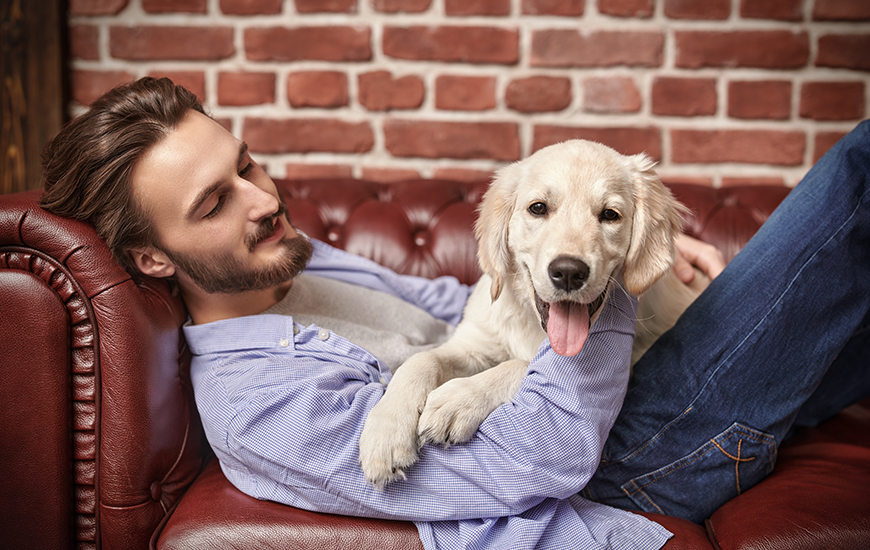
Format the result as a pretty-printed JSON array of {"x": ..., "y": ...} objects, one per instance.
[{"x": 87, "y": 167}]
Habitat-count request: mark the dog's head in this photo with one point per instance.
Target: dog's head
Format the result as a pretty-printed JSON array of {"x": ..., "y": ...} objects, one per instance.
[{"x": 561, "y": 224}]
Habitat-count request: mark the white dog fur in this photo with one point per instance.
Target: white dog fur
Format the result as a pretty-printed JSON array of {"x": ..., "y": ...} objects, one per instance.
[{"x": 577, "y": 200}]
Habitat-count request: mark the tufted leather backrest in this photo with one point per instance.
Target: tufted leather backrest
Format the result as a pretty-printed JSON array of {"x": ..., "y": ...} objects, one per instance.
[{"x": 100, "y": 436}]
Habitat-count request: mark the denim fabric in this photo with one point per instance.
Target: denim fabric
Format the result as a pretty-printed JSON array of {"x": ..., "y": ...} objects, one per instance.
[{"x": 781, "y": 335}]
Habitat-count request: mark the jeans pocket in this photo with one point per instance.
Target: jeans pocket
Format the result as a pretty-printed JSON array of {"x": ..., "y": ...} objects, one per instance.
[{"x": 694, "y": 486}]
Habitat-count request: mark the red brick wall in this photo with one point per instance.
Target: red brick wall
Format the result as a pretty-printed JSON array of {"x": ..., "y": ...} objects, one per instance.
[{"x": 720, "y": 91}]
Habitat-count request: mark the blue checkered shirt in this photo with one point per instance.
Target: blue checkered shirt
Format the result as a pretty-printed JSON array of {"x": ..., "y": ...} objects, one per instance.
[{"x": 283, "y": 406}]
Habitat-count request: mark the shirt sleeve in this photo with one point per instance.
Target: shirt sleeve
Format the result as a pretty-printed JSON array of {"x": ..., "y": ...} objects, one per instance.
[{"x": 296, "y": 441}]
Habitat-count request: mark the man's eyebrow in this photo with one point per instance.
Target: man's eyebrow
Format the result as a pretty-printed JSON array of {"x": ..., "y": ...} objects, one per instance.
[{"x": 207, "y": 192}]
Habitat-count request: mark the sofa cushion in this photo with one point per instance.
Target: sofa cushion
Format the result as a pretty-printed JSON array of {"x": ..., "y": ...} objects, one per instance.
[{"x": 214, "y": 514}]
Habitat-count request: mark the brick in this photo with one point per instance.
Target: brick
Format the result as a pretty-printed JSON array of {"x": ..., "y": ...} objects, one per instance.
[
  {"x": 757, "y": 49},
  {"x": 326, "y": 6},
  {"x": 317, "y": 171},
  {"x": 538, "y": 94},
  {"x": 396, "y": 6},
  {"x": 380, "y": 91},
  {"x": 462, "y": 174},
  {"x": 847, "y": 51},
  {"x": 668, "y": 179},
  {"x": 734, "y": 181},
  {"x": 154, "y": 43},
  {"x": 175, "y": 6},
  {"x": 698, "y": 9},
  {"x": 325, "y": 89},
  {"x": 97, "y": 7},
  {"x": 465, "y": 93},
  {"x": 452, "y": 44},
  {"x": 628, "y": 141},
  {"x": 761, "y": 99},
  {"x": 610, "y": 95},
  {"x": 565, "y": 8},
  {"x": 192, "y": 80},
  {"x": 387, "y": 175},
  {"x": 832, "y": 100},
  {"x": 306, "y": 135},
  {"x": 246, "y": 88},
  {"x": 572, "y": 48},
  {"x": 477, "y": 7},
  {"x": 87, "y": 86},
  {"x": 783, "y": 10},
  {"x": 627, "y": 8},
  {"x": 841, "y": 10},
  {"x": 251, "y": 7},
  {"x": 463, "y": 140},
  {"x": 823, "y": 142},
  {"x": 331, "y": 43},
  {"x": 672, "y": 96},
  {"x": 784, "y": 148},
  {"x": 84, "y": 42}
]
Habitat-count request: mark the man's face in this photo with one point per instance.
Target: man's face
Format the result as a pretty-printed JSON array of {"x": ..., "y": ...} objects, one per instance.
[{"x": 217, "y": 215}]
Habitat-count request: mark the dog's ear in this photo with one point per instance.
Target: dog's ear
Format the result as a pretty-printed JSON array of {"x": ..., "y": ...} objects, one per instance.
[
  {"x": 491, "y": 227},
  {"x": 657, "y": 221}
]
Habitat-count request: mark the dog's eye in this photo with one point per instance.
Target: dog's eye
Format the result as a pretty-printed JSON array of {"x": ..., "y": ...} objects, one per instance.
[
  {"x": 609, "y": 215},
  {"x": 538, "y": 209}
]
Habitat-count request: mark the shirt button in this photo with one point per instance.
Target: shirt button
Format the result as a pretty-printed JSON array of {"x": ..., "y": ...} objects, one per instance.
[
  {"x": 295, "y": 329},
  {"x": 383, "y": 381},
  {"x": 283, "y": 342},
  {"x": 323, "y": 334}
]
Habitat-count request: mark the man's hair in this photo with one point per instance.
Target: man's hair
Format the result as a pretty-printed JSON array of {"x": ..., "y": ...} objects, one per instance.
[{"x": 87, "y": 168}]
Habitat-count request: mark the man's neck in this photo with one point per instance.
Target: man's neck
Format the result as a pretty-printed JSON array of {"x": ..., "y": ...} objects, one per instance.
[{"x": 204, "y": 307}]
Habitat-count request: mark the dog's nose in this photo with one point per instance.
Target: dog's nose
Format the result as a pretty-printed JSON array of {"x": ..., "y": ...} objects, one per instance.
[{"x": 568, "y": 273}]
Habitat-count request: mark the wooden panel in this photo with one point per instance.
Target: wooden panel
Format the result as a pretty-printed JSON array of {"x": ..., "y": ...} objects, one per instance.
[{"x": 31, "y": 91}]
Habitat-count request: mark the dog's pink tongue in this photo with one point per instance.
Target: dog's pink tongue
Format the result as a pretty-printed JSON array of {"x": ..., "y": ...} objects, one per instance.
[{"x": 568, "y": 327}]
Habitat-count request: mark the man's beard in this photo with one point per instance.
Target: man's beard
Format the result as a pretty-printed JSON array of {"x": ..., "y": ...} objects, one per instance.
[{"x": 227, "y": 274}]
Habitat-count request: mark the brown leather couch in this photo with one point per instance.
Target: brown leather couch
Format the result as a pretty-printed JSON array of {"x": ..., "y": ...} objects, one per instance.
[{"x": 102, "y": 446}]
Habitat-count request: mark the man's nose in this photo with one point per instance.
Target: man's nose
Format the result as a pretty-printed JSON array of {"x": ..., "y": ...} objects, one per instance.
[{"x": 261, "y": 202}]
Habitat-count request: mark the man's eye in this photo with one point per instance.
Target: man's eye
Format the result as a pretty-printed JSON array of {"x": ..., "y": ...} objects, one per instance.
[
  {"x": 217, "y": 207},
  {"x": 246, "y": 170}
]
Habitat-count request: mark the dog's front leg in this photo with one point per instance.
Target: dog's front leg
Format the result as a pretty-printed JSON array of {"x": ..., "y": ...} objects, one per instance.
[
  {"x": 456, "y": 409},
  {"x": 388, "y": 444}
]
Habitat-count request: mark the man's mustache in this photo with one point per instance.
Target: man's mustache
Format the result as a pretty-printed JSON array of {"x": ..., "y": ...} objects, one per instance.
[{"x": 266, "y": 228}]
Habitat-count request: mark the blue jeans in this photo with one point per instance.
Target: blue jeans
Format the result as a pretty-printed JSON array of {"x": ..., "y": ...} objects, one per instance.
[{"x": 779, "y": 340}]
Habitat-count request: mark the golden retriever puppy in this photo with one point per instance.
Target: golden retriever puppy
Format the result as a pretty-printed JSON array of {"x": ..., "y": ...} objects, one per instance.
[{"x": 556, "y": 232}]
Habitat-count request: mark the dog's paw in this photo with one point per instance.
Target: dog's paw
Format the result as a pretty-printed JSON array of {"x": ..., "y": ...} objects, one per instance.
[
  {"x": 453, "y": 412},
  {"x": 388, "y": 444}
]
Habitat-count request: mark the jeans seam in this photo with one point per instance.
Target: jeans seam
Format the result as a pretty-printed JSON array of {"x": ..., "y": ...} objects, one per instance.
[{"x": 652, "y": 440}]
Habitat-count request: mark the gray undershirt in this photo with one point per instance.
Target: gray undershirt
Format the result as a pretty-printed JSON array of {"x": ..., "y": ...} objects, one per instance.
[{"x": 390, "y": 328}]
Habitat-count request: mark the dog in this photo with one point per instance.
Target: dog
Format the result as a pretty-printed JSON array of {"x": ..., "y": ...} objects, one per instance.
[{"x": 556, "y": 232}]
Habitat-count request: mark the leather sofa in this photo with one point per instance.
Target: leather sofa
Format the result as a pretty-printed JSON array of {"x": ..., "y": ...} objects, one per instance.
[{"x": 102, "y": 445}]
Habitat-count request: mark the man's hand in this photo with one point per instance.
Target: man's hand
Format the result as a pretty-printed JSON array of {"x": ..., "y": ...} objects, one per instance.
[{"x": 692, "y": 253}]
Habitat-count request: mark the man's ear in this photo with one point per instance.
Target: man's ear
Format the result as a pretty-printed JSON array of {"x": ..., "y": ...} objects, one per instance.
[{"x": 151, "y": 261}]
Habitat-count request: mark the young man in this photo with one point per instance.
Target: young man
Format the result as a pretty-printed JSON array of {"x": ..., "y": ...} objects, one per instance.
[{"x": 287, "y": 363}]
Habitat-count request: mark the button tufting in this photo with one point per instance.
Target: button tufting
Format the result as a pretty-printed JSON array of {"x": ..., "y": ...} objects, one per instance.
[
  {"x": 333, "y": 235},
  {"x": 156, "y": 491},
  {"x": 421, "y": 238}
]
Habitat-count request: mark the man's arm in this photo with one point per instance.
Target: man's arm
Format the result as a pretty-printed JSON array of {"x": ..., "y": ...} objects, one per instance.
[{"x": 292, "y": 427}]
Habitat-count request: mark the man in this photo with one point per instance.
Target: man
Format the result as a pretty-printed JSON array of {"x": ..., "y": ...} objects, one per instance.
[{"x": 287, "y": 362}]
